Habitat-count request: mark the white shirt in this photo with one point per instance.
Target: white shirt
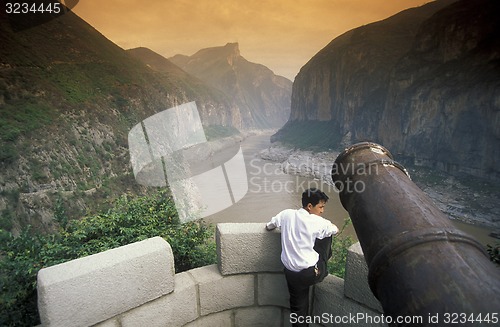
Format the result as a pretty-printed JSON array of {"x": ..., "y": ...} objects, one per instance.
[{"x": 299, "y": 231}]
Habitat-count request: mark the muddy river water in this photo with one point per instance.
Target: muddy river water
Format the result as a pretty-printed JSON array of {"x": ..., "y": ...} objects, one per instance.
[{"x": 270, "y": 190}]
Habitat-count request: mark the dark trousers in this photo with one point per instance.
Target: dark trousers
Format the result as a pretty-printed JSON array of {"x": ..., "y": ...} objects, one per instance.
[{"x": 299, "y": 282}]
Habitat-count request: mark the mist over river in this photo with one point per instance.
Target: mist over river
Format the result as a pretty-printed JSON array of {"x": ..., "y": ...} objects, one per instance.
[{"x": 271, "y": 190}]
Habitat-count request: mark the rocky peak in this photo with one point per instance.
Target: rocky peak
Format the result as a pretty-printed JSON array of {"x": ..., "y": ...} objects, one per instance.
[
  {"x": 262, "y": 97},
  {"x": 233, "y": 52}
]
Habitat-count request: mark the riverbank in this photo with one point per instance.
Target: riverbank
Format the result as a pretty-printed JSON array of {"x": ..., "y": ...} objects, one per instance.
[
  {"x": 469, "y": 201},
  {"x": 220, "y": 144}
]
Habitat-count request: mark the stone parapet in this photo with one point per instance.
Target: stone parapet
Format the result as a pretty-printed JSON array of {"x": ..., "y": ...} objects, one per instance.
[
  {"x": 219, "y": 293},
  {"x": 248, "y": 248},
  {"x": 333, "y": 308},
  {"x": 356, "y": 281},
  {"x": 270, "y": 290},
  {"x": 176, "y": 309},
  {"x": 91, "y": 289},
  {"x": 135, "y": 285}
]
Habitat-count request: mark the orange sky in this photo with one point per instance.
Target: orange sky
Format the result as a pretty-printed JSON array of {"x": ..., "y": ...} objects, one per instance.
[{"x": 281, "y": 34}]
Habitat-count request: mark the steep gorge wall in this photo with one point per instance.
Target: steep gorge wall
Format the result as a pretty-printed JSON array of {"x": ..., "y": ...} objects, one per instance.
[
  {"x": 424, "y": 83},
  {"x": 443, "y": 103}
]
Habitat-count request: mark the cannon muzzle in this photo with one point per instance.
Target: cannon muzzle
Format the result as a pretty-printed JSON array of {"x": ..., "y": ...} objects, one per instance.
[{"x": 419, "y": 263}]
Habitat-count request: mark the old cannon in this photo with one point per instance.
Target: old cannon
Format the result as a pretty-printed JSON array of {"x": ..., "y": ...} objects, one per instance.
[{"x": 419, "y": 264}]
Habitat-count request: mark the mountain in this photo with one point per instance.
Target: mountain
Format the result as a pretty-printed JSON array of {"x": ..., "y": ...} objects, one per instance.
[
  {"x": 230, "y": 116},
  {"x": 157, "y": 62},
  {"x": 68, "y": 99},
  {"x": 424, "y": 83},
  {"x": 262, "y": 96}
]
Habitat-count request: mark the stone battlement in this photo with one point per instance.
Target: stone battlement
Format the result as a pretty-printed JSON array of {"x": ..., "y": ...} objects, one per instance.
[{"x": 136, "y": 285}]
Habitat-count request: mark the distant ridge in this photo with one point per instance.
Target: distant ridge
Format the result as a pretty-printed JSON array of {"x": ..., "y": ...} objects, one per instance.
[
  {"x": 156, "y": 61},
  {"x": 262, "y": 96}
]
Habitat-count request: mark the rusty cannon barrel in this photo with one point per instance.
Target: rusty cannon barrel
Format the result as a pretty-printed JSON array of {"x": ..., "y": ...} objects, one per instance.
[{"x": 419, "y": 264}]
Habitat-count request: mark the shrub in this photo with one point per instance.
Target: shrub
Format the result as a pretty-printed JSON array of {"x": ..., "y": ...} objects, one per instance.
[
  {"x": 130, "y": 220},
  {"x": 340, "y": 246},
  {"x": 494, "y": 252}
]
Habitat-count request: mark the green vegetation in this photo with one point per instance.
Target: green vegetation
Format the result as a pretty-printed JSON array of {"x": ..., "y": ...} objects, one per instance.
[
  {"x": 5, "y": 220},
  {"x": 83, "y": 82},
  {"x": 21, "y": 117},
  {"x": 128, "y": 221},
  {"x": 340, "y": 245},
  {"x": 494, "y": 252}
]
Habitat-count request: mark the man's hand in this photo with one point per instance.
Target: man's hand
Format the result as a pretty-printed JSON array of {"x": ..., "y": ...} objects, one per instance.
[{"x": 270, "y": 226}]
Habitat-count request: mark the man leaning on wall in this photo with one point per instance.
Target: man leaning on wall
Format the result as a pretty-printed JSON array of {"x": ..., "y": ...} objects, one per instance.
[{"x": 306, "y": 246}]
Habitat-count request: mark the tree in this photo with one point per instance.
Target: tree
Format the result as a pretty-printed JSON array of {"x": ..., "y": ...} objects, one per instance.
[{"x": 128, "y": 221}]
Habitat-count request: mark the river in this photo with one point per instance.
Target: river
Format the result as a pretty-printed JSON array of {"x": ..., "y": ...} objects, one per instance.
[{"x": 270, "y": 191}]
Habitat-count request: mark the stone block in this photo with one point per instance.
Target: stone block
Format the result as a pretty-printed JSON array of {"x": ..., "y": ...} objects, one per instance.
[
  {"x": 286, "y": 318},
  {"x": 174, "y": 309},
  {"x": 95, "y": 288},
  {"x": 258, "y": 317},
  {"x": 272, "y": 290},
  {"x": 356, "y": 279},
  {"x": 108, "y": 323},
  {"x": 218, "y": 293},
  {"x": 249, "y": 247},
  {"x": 222, "y": 319},
  {"x": 332, "y": 308}
]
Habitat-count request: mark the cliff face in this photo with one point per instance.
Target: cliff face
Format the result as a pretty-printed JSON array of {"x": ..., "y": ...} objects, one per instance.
[
  {"x": 443, "y": 102},
  {"x": 262, "y": 97},
  {"x": 424, "y": 83}
]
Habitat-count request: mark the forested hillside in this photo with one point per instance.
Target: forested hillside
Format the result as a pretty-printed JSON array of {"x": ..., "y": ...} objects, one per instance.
[{"x": 68, "y": 98}]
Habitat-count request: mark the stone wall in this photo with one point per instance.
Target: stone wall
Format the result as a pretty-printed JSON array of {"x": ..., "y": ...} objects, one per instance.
[{"x": 135, "y": 285}]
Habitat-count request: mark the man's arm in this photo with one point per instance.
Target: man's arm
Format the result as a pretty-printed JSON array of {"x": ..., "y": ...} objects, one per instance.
[
  {"x": 335, "y": 229},
  {"x": 329, "y": 229}
]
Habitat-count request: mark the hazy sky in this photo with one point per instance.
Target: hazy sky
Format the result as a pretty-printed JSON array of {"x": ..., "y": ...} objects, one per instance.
[{"x": 281, "y": 34}]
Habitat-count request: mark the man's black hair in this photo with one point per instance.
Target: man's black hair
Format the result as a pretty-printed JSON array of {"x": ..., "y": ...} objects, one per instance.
[{"x": 313, "y": 196}]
